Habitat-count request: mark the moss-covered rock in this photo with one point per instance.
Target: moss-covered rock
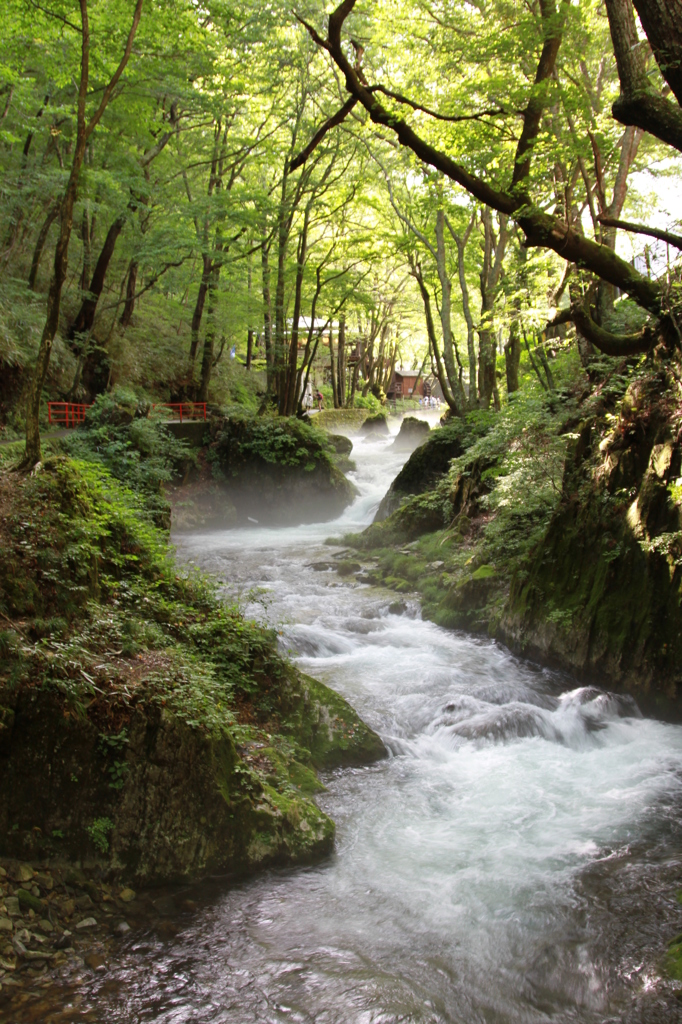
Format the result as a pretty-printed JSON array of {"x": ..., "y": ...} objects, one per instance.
[
  {"x": 425, "y": 466},
  {"x": 269, "y": 469},
  {"x": 602, "y": 593},
  {"x": 412, "y": 433},
  {"x": 144, "y": 726},
  {"x": 375, "y": 424}
]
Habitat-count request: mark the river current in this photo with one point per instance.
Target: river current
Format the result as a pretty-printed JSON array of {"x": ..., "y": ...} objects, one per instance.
[{"x": 515, "y": 859}]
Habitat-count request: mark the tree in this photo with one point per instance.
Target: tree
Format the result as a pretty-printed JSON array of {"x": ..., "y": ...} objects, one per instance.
[
  {"x": 513, "y": 199},
  {"x": 84, "y": 128}
]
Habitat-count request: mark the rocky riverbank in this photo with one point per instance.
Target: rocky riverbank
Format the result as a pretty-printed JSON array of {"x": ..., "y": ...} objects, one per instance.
[
  {"x": 148, "y": 733},
  {"x": 556, "y": 529}
]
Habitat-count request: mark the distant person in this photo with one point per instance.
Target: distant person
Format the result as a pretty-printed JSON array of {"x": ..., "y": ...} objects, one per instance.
[{"x": 320, "y": 401}]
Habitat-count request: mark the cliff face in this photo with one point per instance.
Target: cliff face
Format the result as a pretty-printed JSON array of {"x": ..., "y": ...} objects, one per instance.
[
  {"x": 602, "y": 593},
  {"x": 144, "y": 726}
]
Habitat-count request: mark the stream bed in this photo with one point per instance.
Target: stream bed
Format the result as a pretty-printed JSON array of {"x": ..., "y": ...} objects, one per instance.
[{"x": 515, "y": 859}]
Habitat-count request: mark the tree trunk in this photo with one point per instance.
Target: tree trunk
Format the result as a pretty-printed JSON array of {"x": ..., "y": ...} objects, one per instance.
[
  {"x": 332, "y": 366},
  {"x": 86, "y": 239},
  {"x": 341, "y": 375},
  {"x": 60, "y": 267},
  {"x": 287, "y": 403},
  {"x": 199, "y": 306},
  {"x": 662, "y": 22},
  {"x": 512, "y": 358},
  {"x": 267, "y": 316},
  {"x": 209, "y": 338},
  {"x": 129, "y": 306},
  {"x": 50, "y": 218},
  {"x": 487, "y": 351},
  {"x": 249, "y": 332},
  {"x": 86, "y": 314}
]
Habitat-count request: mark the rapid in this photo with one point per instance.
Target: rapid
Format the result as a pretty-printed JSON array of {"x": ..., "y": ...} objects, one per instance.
[{"x": 513, "y": 860}]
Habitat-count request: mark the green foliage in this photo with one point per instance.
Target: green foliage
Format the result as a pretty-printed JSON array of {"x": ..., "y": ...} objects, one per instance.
[
  {"x": 136, "y": 449},
  {"x": 284, "y": 442},
  {"x": 98, "y": 832}
]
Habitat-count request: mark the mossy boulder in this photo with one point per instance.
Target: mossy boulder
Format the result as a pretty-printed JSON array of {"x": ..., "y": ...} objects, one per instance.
[
  {"x": 341, "y": 445},
  {"x": 375, "y": 424},
  {"x": 277, "y": 471},
  {"x": 145, "y": 727},
  {"x": 413, "y": 432},
  {"x": 426, "y": 466}
]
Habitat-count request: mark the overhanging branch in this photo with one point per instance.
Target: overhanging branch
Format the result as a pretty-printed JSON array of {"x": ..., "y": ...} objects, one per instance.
[{"x": 642, "y": 229}]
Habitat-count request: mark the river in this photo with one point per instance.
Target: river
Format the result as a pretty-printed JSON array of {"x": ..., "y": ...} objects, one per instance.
[{"x": 514, "y": 860}]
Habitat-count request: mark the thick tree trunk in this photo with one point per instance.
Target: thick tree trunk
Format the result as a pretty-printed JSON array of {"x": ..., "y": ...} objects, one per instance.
[
  {"x": 662, "y": 22},
  {"x": 487, "y": 351},
  {"x": 512, "y": 358},
  {"x": 50, "y": 218},
  {"x": 287, "y": 403},
  {"x": 86, "y": 314},
  {"x": 131, "y": 285},
  {"x": 283, "y": 228},
  {"x": 639, "y": 104}
]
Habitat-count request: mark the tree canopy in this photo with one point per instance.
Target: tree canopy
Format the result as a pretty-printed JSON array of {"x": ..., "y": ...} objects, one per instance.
[{"x": 331, "y": 191}]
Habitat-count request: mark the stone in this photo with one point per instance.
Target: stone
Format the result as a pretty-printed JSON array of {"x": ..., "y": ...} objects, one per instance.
[
  {"x": 19, "y": 947},
  {"x": 6, "y": 925},
  {"x": 45, "y": 881},
  {"x": 95, "y": 961},
  {"x": 68, "y": 907},
  {"x": 84, "y": 902},
  {"x": 24, "y": 873},
  {"x": 3, "y": 873},
  {"x": 28, "y": 900},
  {"x": 122, "y": 928},
  {"x": 87, "y": 922},
  {"x": 46, "y": 926},
  {"x": 8, "y": 963},
  {"x": 127, "y": 895},
  {"x": 12, "y": 904}
]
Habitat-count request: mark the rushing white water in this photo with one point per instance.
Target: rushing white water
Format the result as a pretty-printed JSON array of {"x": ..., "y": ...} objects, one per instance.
[{"x": 478, "y": 871}]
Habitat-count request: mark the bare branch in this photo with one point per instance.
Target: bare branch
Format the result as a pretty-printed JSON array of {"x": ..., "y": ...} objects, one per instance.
[
  {"x": 330, "y": 123},
  {"x": 452, "y": 118},
  {"x": 642, "y": 229}
]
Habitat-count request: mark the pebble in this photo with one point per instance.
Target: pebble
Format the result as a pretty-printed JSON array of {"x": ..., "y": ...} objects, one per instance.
[
  {"x": 87, "y": 922},
  {"x": 5, "y": 924},
  {"x": 122, "y": 928},
  {"x": 127, "y": 895},
  {"x": 24, "y": 873},
  {"x": 12, "y": 905},
  {"x": 95, "y": 961}
]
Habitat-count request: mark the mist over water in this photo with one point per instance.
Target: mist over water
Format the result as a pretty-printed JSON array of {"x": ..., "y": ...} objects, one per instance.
[{"x": 512, "y": 861}]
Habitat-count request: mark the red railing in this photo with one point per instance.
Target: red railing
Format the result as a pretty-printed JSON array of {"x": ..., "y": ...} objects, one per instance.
[
  {"x": 66, "y": 414},
  {"x": 185, "y": 410},
  {"x": 72, "y": 414}
]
